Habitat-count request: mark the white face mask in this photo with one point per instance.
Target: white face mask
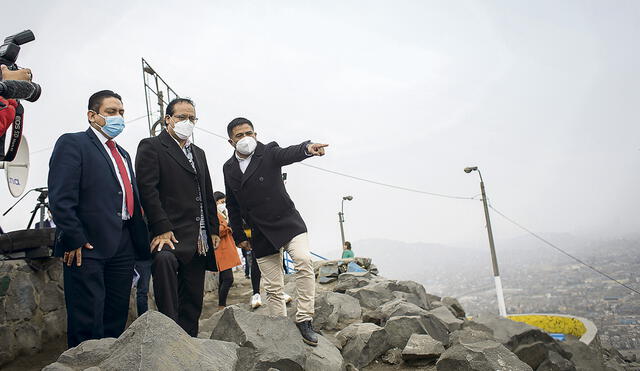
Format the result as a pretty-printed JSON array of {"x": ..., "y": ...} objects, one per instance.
[
  {"x": 222, "y": 207},
  {"x": 246, "y": 145},
  {"x": 183, "y": 129}
]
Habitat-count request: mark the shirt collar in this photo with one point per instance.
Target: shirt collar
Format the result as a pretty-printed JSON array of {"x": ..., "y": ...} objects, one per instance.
[
  {"x": 103, "y": 139},
  {"x": 240, "y": 159},
  {"x": 186, "y": 144}
]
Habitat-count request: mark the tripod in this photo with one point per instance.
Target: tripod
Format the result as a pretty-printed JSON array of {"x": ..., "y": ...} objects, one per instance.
[{"x": 42, "y": 205}]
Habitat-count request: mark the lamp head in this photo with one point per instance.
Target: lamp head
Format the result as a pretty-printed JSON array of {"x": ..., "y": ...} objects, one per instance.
[
  {"x": 470, "y": 169},
  {"x": 348, "y": 198}
]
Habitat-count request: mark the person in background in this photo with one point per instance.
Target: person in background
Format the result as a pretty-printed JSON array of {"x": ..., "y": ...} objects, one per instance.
[
  {"x": 226, "y": 254},
  {"x": 346, "y": 250}
]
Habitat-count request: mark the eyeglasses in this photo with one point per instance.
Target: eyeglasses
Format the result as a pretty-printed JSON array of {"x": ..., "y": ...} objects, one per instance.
[{"x": 185, "y": 117}]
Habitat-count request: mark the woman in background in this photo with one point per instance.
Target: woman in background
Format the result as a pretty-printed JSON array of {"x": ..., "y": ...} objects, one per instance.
[{"x": 226, "y": 254}]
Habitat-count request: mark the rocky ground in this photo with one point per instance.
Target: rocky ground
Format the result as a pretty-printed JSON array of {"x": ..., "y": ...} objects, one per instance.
[{"x": 367, "y": 322}]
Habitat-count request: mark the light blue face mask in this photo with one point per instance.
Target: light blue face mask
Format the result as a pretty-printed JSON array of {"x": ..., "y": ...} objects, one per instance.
[{"x": 113, "y": 125}]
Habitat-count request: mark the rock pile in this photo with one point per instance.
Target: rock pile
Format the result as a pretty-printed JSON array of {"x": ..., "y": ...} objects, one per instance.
[{"x": 366, "y": 321}]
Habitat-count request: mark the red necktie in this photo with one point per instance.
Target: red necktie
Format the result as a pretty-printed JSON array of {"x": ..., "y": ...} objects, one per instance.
[{"x": 128, "y": 190}]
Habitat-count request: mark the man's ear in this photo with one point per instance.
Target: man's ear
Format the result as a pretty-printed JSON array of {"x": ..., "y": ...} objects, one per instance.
[{"x": 232, "y": 144}]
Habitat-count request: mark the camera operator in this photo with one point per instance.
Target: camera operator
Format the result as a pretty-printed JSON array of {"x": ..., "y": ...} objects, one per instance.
[{"x": 8, "y": 106}]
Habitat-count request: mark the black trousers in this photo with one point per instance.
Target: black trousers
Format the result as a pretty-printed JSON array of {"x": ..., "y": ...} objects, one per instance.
[
  {"x": 256, "y": 275},
  {"x": 225, "y": 281},
  {"x": 142, "y": 287},
  {"x": 97, "y": 294},
  {"x": 179, "y": 288}
]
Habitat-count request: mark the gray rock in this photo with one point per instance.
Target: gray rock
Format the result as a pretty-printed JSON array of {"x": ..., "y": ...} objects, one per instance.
[
  {"x": 373, "y": 295},
  {"x": 468, "y": 336},
  {"x": 353, "y": 280},
  {"x": 412, "y": 287},
  {"x": 51, "y": 298},
  {"x": 454, "y": 306},
  {"x": 273, "y": 342},
  {"x": 400, "y": 329},
  {"x": 393, "y": 356},
  {"x": 328, "y": 273},
  {"x": 422, "y": 348},
  {"x": 362, "y": 343},
  {"x": 21, "y": 301},
  {"x": 54, "y": 271},
  {"x": 205, "y": 327},
  {"x": 399, "y": 307},
  {"x": 8, "y": 341},
  {"x": 436, "y": 328},
  {"x": 555, "y": 362},
  {"x": 445, "y": 315},
  {"x": 533, "y": 353},
  {"x": 335, "y": 311},
  {"x": 516, "y": 336},
  {"x": 55, "y": 324},
  {"x": 481, "y": 356},
  {"x": 152, "y": 342},
  {"x": 28, "y": 338},
  {"x": 583, "y": 357},
  {"x": 374, "y": 316}
]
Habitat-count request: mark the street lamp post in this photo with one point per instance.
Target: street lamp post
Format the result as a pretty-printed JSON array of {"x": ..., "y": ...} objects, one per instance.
[
  {"x": 494, "y": 260},
  {"x": 341, "y": 216}
]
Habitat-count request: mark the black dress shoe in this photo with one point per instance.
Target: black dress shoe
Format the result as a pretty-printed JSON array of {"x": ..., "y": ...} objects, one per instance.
[{"x": 308, "y": 335}]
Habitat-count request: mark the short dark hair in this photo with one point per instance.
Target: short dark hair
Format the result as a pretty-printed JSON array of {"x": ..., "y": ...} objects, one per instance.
[
  {"x": 237, "y": 122},
  {"x": 217, "y": 195},
  {"x": 95, "y": 100},
  {"x": 348, "y": 244},
  {"x": 171, "y": 105}
]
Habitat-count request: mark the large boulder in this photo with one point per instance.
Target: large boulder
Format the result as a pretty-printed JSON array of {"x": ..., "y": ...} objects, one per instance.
[
  {"x": 335, "y": 311},
  {"x": 378, "y": 293},
  {"x": 152, "y": 342},
  {"x": 273, "y": 342},
  {"x": 481, "y": 356},
  {"x": 354, "y": 280},
  {"x": 422, "y": 348},
  {"x": 468, "y": 336},
  {"x": 400, "y": 329},
  {"x": 529, "y": 343},
  {"x": 555, "y": 362},
  {"x": 362, "y": 343},
  {"x": 454, "y": 305},
  {"x": 445, "y": 315},
  {"x": 399, "y": 308}
]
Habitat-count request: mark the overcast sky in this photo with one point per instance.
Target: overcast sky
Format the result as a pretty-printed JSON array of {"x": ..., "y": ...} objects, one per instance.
[{"x": 543, "y": 96}]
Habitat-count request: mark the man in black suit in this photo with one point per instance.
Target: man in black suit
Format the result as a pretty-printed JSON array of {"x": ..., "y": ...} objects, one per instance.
[
  {"x": 177, "y": 196},
  {"x": 256, "y": 193},
  {"x": 100, "y": 231}
]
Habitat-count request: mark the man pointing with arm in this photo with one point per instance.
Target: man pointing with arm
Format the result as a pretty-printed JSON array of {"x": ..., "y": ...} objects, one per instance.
[{"x": 256, "y": 193}]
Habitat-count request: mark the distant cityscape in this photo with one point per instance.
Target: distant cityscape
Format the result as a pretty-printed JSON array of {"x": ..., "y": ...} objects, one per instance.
[
  {"x": 536, "y": 279},
  {"x": 564, "y": 286}
]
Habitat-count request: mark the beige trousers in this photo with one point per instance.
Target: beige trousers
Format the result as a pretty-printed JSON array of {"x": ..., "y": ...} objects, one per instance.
[{"x": 273, "y": 276}]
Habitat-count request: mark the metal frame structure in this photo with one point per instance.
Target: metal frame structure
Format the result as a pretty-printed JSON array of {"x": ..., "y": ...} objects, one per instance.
[{"x": 155, "y": 88}]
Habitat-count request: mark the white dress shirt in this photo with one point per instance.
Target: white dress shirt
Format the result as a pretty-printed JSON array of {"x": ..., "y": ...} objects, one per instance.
[
  {"x": 103, "y": 140},
  {"x": 243, "y": 162}
]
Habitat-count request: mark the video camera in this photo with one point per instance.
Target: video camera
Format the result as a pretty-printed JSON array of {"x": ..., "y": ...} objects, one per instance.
[
  {"x": 16, "y": 89},
  {"x": 12, "y": 112}
]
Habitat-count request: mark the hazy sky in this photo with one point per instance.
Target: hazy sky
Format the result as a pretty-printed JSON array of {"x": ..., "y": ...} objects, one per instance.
[{"x": 543, "y": 96}]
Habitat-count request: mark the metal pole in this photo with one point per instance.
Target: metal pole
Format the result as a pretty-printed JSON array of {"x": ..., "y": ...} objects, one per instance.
[
  {"x": 494, "y": 260},
  {"x": 341, "y": 220}
]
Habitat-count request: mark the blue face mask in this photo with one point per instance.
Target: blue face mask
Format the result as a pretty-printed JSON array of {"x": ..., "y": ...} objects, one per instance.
[{"x": 113, "y": 125}]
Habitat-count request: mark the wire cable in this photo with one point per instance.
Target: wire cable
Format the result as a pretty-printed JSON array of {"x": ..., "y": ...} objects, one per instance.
[
  {"x": 562, "y": 251},
  {"x": 366, "y": 180}
]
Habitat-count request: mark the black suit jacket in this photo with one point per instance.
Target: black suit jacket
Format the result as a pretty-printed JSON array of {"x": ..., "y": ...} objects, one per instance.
[
  {"x": 169, "y": 193},
  {"x": 259, "y": 197},
  {"x": 86, "y": 199}
]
